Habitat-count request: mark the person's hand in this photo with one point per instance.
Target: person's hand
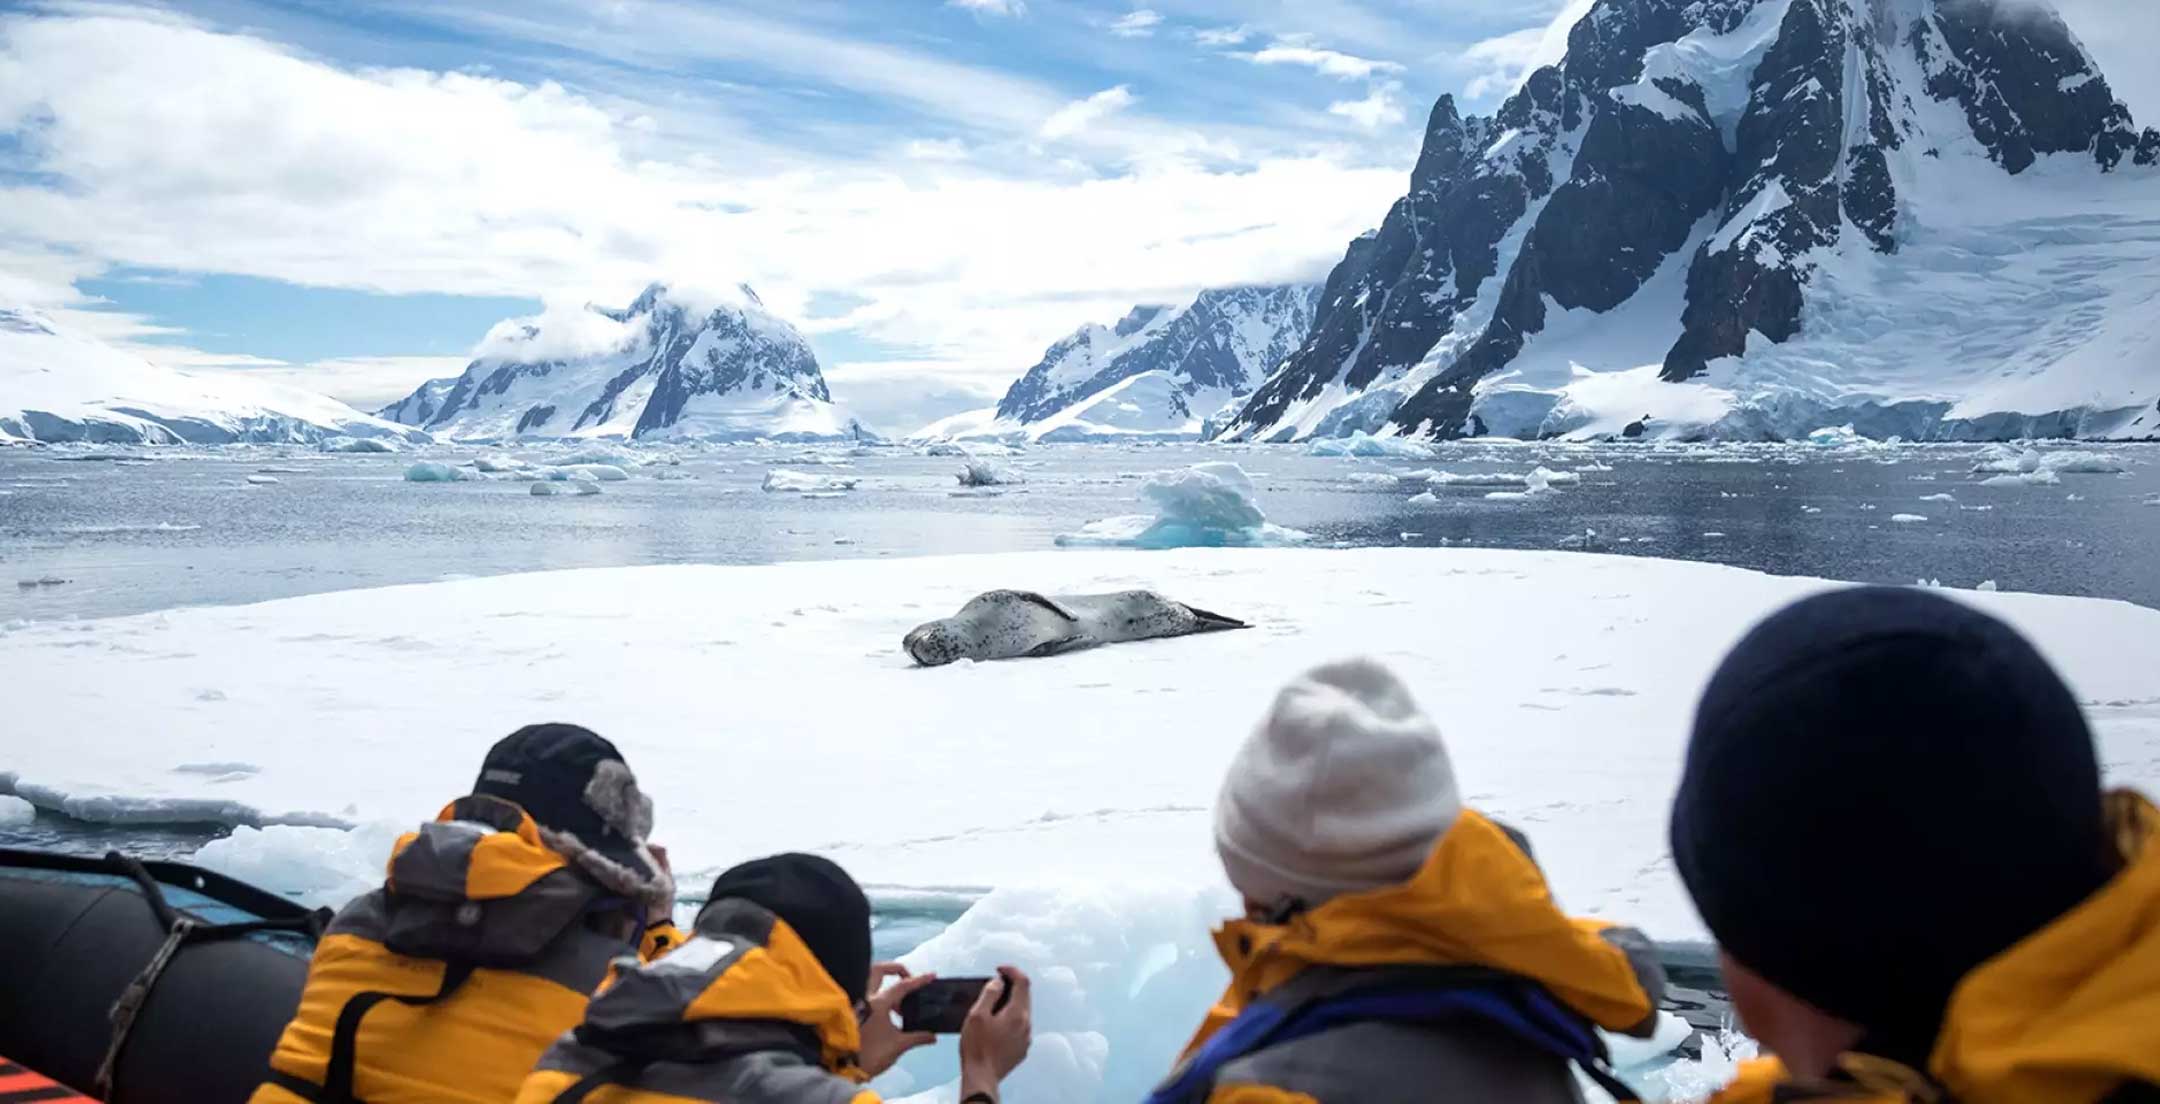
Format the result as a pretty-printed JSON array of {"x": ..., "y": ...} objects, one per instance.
[
  {"x": 882, "y": 1040},
  {"x": 993, "y": 1044}
]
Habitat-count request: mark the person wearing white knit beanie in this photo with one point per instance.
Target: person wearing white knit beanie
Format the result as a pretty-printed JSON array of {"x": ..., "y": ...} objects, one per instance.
[
  {"x": 1344, "y": 787},
  {"x": 1396, "y": 946}
]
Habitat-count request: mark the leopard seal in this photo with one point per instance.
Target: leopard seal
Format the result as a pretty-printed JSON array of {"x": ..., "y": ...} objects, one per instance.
[{"x": 1011, "y": 624}]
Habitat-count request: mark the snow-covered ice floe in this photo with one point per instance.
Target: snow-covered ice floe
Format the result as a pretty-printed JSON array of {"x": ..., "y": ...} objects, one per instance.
[
  {"x": 1074, "y": 792},
  {"x": 1212, "y": 505},
  {"x": 1361, "y": 443},
  {"x": 781, "y": 479}
]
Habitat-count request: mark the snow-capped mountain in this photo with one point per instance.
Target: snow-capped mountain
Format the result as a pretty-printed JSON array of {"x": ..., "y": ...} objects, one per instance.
[
  {"x": 1162, "y": 371},
  {"x": 1752, "y": 218},
  {"x": 58, "y": 385},
  {"x": 674, "y": 363}
]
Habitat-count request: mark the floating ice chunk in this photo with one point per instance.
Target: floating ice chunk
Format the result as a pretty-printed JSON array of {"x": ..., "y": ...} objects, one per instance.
[
  {"x": 2040, "y": 478},
  {"x": 1938, "y": 498},
  {"x": 14, "y": 810},
  {"x": 496, "y": 465},
  {"x": 1843, "y": 436},
  {"x": 545, "y": 489},
  {"x": 1987, "y": 585},
  {"x": 980, "y": 472},
  {"x": 282, "y": 471},
  {"x": 1593, "y": 466},
  {"x": 357, "y": 444},
  {"x": 598, "y": 473},
  {"x": 781, "y": 479},
  {"x": 262, "y": 480},
  {"x": 1426, "y": 498},
  {"x": 584, "y": 488},
  {"x": 2074, "y": 497},
  {"x": 1811, "y": 509},
  {"x": 1362, "y": 443},
  {"x": 429, "y": 471},
  {"x": 1713, "y": 535},
  {"x": 1210, "y": 505},
  {"x": 2082, "y": 463},
  {"x": 319, "y": 867},
  {"x": 1373, "y": 479},
  {"x": 1540, "y": 481},
  {"x": 2152, "y": 500},
  {"x": 1908, "y": 519},
  {"x": 602, "y": 456}
]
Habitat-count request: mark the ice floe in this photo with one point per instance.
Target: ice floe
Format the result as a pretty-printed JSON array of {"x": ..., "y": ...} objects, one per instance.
[
  {"x": 1361, "y": 443},
  {"x": 783, "y": 480},
  {"x": 357, "y": 444},
  {"x": 1211, "y": 505},
  {"x": 434, "y": 471},
  {"x": 1908, "y": 519},
  {"x": 983, "y": 472}
]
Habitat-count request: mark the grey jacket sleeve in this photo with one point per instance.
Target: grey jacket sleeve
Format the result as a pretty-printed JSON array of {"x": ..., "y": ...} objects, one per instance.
[{"x": 1641, "y": 954}]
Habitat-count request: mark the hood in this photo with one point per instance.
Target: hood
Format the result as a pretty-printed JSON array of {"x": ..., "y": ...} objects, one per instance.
[
  {"x": 478, "y": 849},
  {"x": 2068, "y": 1013},
  {"x": 743, "y": 970},
  {"x": 1478, "y": 900}
]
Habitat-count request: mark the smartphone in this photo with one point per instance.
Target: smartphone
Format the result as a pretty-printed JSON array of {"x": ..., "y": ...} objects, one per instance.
[{"x": 943, "y": 1005}]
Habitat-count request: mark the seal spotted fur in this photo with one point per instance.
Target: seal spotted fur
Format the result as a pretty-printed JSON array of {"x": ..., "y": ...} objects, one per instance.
[{"x": 1011, "y": 624}]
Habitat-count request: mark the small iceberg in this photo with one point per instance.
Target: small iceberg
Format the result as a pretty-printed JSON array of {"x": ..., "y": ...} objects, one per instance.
[
  {"x": 430, "y": 471},
  {"x": 262, "y": 480},
  {"x": 1843, "y": 436},
  {"x": 1540, "y": 481},
  {"x": 601, "y": 473},
  {"x": 1210, "y": 505},
  {"x": 2040, "y": 478},
  {"x": 357, "y": 444},
  {"x": 14, "y": 811},
  {"x": 499, "y": 465},
  {"x": 1908, "y": 519},
  {"x": 1365, "y": 444},
  {"x": 783, "y": 480},
  {"x": 985, "y": 473}
]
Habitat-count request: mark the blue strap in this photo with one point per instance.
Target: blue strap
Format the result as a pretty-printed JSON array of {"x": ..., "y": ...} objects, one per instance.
[{"x": 1524, "y": 1011}]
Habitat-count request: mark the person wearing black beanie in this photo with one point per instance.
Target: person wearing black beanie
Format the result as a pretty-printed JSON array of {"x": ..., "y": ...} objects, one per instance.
[
  {"x": 772, "y": 1000},
  {"x": 1884, "y": 790}
]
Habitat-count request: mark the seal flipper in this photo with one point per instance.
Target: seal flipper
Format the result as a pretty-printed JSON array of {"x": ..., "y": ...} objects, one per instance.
[
  {"x": 1046, "y": 603},
  {"x": 1058, "y": 647},
  {"x": 1214, "y": 622}
]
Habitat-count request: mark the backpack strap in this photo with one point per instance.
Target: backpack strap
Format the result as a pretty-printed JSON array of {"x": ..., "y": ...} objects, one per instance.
[
  {"x": 337, "y": 1086},
  {"x": 1521, "y": 1009}
]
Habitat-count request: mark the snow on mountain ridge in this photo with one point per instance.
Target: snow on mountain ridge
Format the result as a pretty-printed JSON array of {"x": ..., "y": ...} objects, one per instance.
[
  {"x": 675, "y": 362},
  {"x": 1826, "y": 141},
  {"x": 1161, "y": 370},
  {"x": 58, "y": 385}
]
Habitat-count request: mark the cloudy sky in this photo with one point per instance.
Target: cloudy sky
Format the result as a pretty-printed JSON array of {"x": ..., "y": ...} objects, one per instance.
[{"x": 349, "y": 195}]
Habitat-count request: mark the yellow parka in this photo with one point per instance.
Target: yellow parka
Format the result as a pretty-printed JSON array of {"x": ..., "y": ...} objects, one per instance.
[
  {"x": 741, "y": 1013},
  {"x": 476, "y": 888},
  {"x": 1477, "y": 901},
  {"x": 2070, "y": 1015}
]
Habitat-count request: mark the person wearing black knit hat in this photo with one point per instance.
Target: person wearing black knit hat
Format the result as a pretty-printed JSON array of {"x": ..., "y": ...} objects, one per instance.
[
  {"x": 770, "y": 1002},
  {"x": 1891, "y": 818}
]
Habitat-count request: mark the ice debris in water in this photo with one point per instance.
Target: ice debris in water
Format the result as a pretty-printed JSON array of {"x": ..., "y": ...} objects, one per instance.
[
  {"x": 495, "y": 465},
  {"x": 1699, "y": 1078},
  {"x": 262, "y": 480},
  {"x": 1938, "y": 498},
  {"x": 1426, "y": 498},
  {"x": 1362, "y": 443},
  {"x": 602, "y": 473},
  {"x": 1541, "y": 480},
  {"x": 2040, "y": 478},
  {"x": 1373, "y": 479},
  {"x": 429, "y": 471},
  {"x": 2002, "y": 459},
  {"x": 319, "y": 867},
  {"x": 357, "y": 444},
  {"x": 1908, "y": 519},
  {"x": 781, "y": 479},
  {"x": 545, "y": 490},
  {"x": 1811, "y": 509},
  {"x": 1210, "y": 505},
  {"x": 1987, "y": 585},
  {"x": 14, "y": 810},
  {"x": 981, "y": 472},
  {"x": 1843, "y": 436}
]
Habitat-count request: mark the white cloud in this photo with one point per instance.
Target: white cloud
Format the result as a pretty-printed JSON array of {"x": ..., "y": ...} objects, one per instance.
[
  {"x": 1504, "y": 62},
  {"x": 185, "y": 149},
  {"x": 936, "y": 149},
  {"x": 1383, "y": 107},
  {"x": 991, "y": 7},
  {"x": 2122, "y": 36},
  {"x": 1079, "y": 115},
  {"x": 364, "y": 383},
  {"x": 1222, "y": 36},
  {"x": 1136, "y": 24},
  {"x": 900, "y": 397},
  {"x": 1332, "y": 63}
]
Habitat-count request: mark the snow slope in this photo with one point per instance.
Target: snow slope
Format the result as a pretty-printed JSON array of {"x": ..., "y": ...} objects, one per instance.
[
  {"x": 675, "y": 363},
  {"x": 56, "y": 385},
  {"x": 1750, "y": 219},
  {"x": 1564, "y": 684},
  {"x": 1160, "y": 372}
]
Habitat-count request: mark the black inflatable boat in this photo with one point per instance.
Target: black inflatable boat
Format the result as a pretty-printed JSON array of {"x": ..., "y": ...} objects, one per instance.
[{"x": 146, "y": 983}]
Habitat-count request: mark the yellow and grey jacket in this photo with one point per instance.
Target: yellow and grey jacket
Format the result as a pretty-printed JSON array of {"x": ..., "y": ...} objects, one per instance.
[
  {"x": 2071, "y": 1015},
  {"x": 448, "y": 982},
  {"x": 741, "y": 1013},
  {"x": 1479, "y": 902}
]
